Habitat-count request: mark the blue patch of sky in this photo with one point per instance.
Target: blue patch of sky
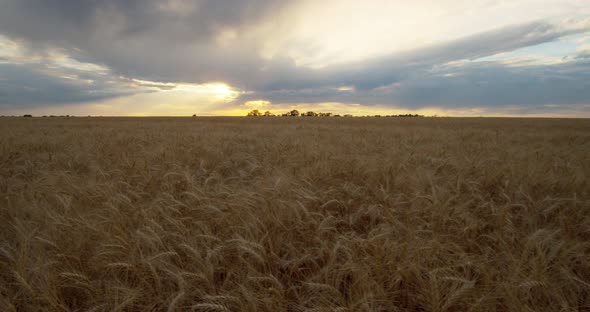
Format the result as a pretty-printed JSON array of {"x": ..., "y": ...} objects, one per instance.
[{"x": 564, "y": 47}]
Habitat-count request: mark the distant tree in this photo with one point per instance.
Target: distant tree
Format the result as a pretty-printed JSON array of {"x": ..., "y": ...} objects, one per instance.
[
  {"x": 310, "y": 114},
  {"x": 194, "y": 115},
  {"x": 255, "y": 113},
  {"x": 27, "y": 115},
  {"x": 407, "y": 115},
  {"x": 268, "y": 114},
  {"x": 294, "y": 113}
]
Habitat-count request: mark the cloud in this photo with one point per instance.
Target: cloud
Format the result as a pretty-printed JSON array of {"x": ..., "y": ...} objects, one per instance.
[
  {"x": 443, "y": 75},
  {"x": 30, "y": 79},
  {"x": 385, "y": 70},
  {"x": 168, "y": 41},
  {"x": 151, "y": 46},
  {"x": 28, "y": 85},
  {"x": 461, "y": 84}
]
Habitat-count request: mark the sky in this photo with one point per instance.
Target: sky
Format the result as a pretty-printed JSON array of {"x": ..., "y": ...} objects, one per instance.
[{"x": 223, "y": 57}]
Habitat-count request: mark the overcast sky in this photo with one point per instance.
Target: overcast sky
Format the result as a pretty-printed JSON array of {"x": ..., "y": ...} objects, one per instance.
[{"x": 222, "y": 57}]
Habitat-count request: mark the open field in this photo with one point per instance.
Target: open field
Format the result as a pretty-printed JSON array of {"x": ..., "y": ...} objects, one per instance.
[{"x": 294, "y": 214}]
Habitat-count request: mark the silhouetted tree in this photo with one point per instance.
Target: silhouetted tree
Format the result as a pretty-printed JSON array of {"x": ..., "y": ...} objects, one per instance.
[{"x": 255, "y": 113}]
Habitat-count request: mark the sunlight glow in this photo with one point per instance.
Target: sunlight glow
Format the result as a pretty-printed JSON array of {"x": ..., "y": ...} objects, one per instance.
[{"x": 220, "y": 91}]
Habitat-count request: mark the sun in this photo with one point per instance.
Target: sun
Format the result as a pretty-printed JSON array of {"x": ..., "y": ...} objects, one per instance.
[
  {"x": 223, "y": 91},
  {"x": 220, "y": 91}
]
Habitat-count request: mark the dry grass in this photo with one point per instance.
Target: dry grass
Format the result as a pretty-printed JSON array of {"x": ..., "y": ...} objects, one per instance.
[{"x": 281, "y": 214}]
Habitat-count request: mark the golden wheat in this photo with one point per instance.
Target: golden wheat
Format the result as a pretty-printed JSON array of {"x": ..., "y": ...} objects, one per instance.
[{"x": 294, "y": 214}]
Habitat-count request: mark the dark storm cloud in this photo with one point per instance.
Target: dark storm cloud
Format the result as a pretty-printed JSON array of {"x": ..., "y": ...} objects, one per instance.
[{"x": 178, "y": 41}]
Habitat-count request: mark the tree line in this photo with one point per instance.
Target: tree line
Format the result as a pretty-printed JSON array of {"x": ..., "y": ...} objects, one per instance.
[{"x": 296, "y": 113}]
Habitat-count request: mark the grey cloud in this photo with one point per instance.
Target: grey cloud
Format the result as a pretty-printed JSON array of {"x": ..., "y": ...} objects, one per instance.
[
  {"x": 443, "y": 75},
  {"x": 169, "y": 41},
  {"x": 34, "y": 85},
  {"x": 382, "y": 71},
  {"x": 176, "y": 41},
  {"x": 79, "y": 22},
  {"x": 479, "y": 84}
]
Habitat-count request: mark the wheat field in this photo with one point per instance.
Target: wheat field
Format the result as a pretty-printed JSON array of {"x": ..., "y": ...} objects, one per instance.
[{"x": 294, "y": 214}]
